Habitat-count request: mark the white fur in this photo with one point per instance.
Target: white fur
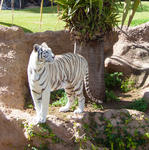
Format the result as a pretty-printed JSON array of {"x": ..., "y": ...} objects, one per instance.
[{"x": 52, "y": 74}]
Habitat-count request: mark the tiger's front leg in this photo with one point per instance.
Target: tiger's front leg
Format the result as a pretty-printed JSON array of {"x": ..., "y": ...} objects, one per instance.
[
  {"x": 37, "y": 104},
  {"x": 44, "y": 105}
]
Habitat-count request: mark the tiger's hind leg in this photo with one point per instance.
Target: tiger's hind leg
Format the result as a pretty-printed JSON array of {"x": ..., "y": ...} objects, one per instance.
[
  {"x": 71, "y": 98},
  {"x": 81, "y": 104},
  {"x": 81, "y": 98}
]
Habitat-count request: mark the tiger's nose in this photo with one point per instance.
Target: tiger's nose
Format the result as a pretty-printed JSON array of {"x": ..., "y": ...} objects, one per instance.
[{"x": 53, "y": 56}]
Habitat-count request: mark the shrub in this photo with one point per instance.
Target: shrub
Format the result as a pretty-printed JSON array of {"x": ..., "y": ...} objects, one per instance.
[
  {"x": 110, "y": 96},
  {"x": 127, "y": 85},
  {"x": 60, "y": 97},
  {"x": 113, "y": 80},
  {"x": 139, "y": 104}
]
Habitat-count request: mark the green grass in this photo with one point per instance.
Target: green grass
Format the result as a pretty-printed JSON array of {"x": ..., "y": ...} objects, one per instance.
[{"x": 29, "y": 18}]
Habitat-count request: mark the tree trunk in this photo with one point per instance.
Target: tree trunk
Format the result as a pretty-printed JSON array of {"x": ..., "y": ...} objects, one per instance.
[{"x": 93, "y": 51}]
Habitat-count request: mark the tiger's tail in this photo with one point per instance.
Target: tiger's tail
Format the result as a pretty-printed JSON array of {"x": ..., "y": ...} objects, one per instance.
[{"x": 86, "y": 82}]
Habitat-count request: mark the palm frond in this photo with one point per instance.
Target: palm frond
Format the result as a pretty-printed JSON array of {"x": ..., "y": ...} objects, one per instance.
[
  {"x": 12, "y": 11},
  {"x": 41, "y": 10},
  {"x": 127, "y": 4},
  {"x": 134, "y": 8},
  {"x": 1, "y": 4}
]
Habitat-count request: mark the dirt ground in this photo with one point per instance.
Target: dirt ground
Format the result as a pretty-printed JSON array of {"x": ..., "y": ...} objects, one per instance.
[{"x": 125, "y": 100}]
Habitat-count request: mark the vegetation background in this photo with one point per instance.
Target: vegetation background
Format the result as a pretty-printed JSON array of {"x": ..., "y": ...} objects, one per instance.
[{"x": 29, "y": 18}]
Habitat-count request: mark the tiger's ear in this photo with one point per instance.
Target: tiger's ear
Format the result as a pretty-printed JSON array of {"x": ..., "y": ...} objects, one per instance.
[
  {"x": 44, "y": 44},
  {"x": 36, "y": 47}
]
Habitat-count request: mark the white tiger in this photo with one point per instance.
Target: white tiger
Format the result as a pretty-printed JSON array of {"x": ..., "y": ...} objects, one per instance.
[{"x": 47, "y": 72}]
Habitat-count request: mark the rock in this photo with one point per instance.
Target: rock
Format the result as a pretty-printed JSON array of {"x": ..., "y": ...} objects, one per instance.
[
  {"x": 111, "y": 126},
  {"x": 12, "y": 135},
  {"x": 145, "y": 93},
  {"x": 11, "y": 33},
  {"x": 131, "y": 54}
]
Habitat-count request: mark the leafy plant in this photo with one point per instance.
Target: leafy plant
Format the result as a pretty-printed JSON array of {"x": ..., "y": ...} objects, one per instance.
[
  {"x": 139, "y": 104},
  {"x": 110, "y": 96},
  {"x": 44, "y": 132},
  {"x": 97, "y": 106},
  {"x": 87, "y": 19},
  {"x": 59, "y": 97},
  {"x": 29, "y": 130},
  {"x": 127, "y": 85},
  {"x": 115, "y": 137},
  {"x": 113, "y": 80}
]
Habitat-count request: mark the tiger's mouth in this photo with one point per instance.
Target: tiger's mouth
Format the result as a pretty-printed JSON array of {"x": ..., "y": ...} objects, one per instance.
[{"x": 50, "y": 60}]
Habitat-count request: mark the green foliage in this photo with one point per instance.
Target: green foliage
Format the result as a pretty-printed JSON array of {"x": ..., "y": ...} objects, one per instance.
[
  {"x": 41, "y": 147},
  {"x": 127, "y": 85},
  {"x": 113, "y": 80},
  {"x": 97, "y": 106},
  {"x": 59, "y": 97},
  {"x": 44, "y": 132},
  {"x": 139, "y": 104},
  {"x": 120, "y": 139},
  {"x": 29, "y": 130},
  {"x": 62, "y": 102},
  {"x": 86, "y": 19},
  {"x": 110, "y": 96},
  {"x": 115, "y": 137},
  {"x": 29, "y": 106}
]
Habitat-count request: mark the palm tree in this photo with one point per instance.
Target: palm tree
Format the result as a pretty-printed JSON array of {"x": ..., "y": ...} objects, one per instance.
[{"x": 88, "y": 21}]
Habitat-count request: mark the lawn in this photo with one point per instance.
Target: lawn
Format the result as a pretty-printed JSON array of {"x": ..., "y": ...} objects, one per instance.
[{"x": 29, "y": 18}]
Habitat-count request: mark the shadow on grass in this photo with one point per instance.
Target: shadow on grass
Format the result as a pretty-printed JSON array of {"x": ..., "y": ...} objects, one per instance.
[{"x": 10, "y": 25}]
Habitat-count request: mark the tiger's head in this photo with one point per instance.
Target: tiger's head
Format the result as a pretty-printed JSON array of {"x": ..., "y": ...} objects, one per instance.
[{"x": 44, "y": 53}]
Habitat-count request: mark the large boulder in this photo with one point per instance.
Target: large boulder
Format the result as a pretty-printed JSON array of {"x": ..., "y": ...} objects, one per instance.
[
  {"x": 98, "y": 129},
  {"x": 12, "y": 135},
  {"x": 131, "y": 54}
]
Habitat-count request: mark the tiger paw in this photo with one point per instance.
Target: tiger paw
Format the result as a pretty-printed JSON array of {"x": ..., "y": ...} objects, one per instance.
[
  {"x": 78, "y": 111},
  {"x": 39, "y": 120},
  {"x": 63, "y": 109}
]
